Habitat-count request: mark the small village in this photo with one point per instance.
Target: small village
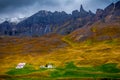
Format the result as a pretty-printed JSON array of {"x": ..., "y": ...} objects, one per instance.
[{"x": 47, "y": 66}]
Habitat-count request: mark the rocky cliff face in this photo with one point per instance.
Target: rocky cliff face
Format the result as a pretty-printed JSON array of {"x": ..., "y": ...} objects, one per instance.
[
  {"x": 42, "y": 22},
  {"x": 106, "y": 26},
  {"x": 109, "y": 13},
  {"x": 99, "y": 14},
  {"x": 45, "y": 22},
  {"x": 78, "y": 20}
]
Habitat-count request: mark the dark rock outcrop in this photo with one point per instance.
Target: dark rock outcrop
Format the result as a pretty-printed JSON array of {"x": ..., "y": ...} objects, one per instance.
[
  {"x": 83, "y": 13},
  {"x": 75, "y": 14},
  {"x": 99, "y": 14}
]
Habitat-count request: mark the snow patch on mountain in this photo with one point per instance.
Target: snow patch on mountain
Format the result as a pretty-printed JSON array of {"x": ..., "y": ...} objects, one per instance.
[{"x": 12, "y": 20}]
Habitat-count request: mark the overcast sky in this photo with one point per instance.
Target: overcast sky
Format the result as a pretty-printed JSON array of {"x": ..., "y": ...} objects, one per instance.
[{"x": 25, "y": 8}]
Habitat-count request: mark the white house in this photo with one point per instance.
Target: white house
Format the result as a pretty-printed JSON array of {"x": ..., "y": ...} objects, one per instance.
[
  {"x": 49, "y": 66},
  {"x": 20, "y": 65}
]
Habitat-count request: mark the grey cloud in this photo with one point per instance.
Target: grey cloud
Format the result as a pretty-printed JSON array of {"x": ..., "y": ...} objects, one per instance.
[
  {"x": 7, "y": 4},
  {"x": 95, "y": 4},
  {"x": 17, "y": 8}
]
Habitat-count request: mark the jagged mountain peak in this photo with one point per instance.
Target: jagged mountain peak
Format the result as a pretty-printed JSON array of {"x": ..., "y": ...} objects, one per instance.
[
  {"x": 44, "y": 22},
  {"x": 42, "y": 13},
  {"x": 106, "y": 25},
  {"x": 81, "y": 8},
  {"x": 83, "y": 13}
]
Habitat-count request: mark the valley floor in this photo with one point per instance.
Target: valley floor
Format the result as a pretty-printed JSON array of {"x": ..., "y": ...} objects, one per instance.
[{"x": 72, "y": 60}]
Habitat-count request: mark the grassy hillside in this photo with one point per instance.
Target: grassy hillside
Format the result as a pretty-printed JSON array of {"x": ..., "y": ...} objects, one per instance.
[
  {"x": 99, "y": 31},
  {"x": 59, "y": 50}
]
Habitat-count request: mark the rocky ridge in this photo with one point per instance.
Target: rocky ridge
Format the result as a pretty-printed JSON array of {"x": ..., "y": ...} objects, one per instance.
[{"x": 45, "y": 22}]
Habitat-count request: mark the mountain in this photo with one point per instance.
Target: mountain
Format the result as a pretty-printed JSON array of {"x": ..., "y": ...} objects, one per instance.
[
  {"x": 45, "y": 22},
  {"x": 8, "y": 28},
  {"x": 106, "y": 26},
  {"x": 78, "y": 19},
  {"x": 42, "y": 22}
]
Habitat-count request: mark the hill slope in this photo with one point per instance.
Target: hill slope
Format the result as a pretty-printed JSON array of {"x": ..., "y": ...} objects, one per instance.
[{"x": 108, "y": 27}]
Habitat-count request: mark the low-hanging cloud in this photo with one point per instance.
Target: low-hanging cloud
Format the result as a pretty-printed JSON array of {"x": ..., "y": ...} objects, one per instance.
[{"x": 25, "y": 8}]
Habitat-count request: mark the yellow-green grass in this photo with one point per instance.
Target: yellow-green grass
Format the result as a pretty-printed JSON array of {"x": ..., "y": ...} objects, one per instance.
[
  {"x": 70, "y": 70},
  {"x": 57, "y": 50}
]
